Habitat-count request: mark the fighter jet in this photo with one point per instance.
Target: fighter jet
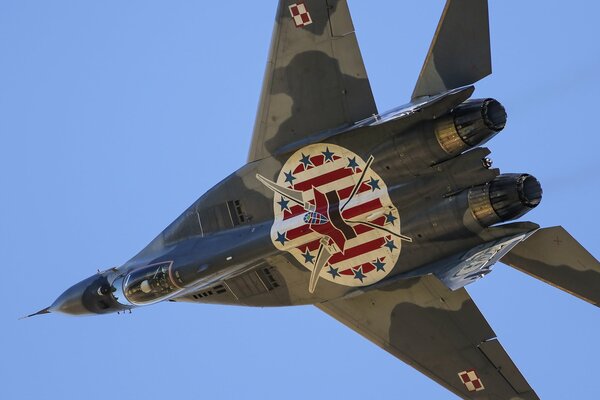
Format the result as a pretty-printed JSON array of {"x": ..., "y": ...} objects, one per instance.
[{"x": 378, "y": 219}]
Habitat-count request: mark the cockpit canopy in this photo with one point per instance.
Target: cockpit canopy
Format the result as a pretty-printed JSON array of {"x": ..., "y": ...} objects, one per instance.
[{"x": 149, "y": 284}]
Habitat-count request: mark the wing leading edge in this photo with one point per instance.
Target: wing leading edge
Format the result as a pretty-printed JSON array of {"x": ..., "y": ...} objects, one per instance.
[
  {"x": 439, "y": 332},
  {"x": 315, "y": 78}
]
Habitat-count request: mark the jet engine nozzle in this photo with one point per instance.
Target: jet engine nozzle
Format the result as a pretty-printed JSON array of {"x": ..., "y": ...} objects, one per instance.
[
  {"x": 507, "y": 197},
  {"x": 470, "y": 124}
]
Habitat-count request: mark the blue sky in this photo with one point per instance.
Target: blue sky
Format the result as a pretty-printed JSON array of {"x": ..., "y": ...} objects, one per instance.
[{"x": 115, "y": 116}]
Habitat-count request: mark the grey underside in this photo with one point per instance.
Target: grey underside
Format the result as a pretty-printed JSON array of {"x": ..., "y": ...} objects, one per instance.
[
  {"x": 555, "y": 257},
  {"x": 315, "y": 78},
  {"x": 437, "y": 331}
]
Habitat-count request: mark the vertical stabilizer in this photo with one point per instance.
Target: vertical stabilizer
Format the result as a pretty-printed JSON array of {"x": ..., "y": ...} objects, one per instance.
[{"x": 460, "y": 51}]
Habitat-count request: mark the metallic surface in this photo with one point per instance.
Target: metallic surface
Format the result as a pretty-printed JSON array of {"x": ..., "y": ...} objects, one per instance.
[
  {"x": 507, "y": 197},
  {"x": 448, "y": 137},
  {"x": 315, "y": 78},
  {"x": 481, "y": 206},
  {"x": 555, "y": 257},
  {"x": 436, "y": 331},
  {"x": 472, "y": 123},
  {"x": 90, "y": 296}
]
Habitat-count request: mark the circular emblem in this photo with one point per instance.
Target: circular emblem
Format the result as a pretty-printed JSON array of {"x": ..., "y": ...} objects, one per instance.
[{"x": 333, "y": 213}]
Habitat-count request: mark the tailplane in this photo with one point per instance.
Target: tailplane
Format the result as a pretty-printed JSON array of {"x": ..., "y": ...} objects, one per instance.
[{"x": 555, "y": 257}]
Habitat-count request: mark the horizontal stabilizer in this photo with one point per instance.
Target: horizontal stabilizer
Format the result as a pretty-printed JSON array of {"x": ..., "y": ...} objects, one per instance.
[
  {"x": 460, "y": 51},
  {"x": 555, "y": 257}
]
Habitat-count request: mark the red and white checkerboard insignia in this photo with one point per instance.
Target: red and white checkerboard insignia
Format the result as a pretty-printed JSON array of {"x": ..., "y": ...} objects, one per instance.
[
  {"x": 471, "y": 380},
  {"x": 300, "y": 15}
]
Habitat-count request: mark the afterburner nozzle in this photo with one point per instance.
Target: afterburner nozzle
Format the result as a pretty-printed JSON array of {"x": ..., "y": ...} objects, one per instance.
[
  {"x": 472, "y": 123},
  {"x": 507, "y": 197}
]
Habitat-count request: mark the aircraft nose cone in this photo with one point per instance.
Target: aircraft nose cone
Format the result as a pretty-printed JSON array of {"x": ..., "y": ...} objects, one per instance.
[{"x": 71, "y": 301}]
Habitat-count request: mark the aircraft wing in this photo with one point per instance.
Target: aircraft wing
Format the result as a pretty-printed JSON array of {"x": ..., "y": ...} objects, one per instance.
[
  {"x": 315, "y": 78},
  {"x": 439, "y": 332}
]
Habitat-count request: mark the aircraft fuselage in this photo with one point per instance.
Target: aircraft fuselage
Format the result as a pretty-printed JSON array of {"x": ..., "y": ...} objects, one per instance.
[{"x": 212, "y": 252}]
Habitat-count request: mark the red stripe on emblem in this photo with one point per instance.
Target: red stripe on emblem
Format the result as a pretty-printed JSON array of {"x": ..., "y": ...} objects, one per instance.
[
  {"x": 298, "y": 232},
  {"x": 357, "y": 250},
  {"x": 345, "y": 193},
  {"x": 300, "y": 168},
  {"x": 368, "y": 268},
  {"x": 323, "y": 179},
  {"x": 360, "y": 229},
  {"x": 294, "y": 212},
  {"x": 312, "y": 246},
  {"x": 362, "y": 208}
]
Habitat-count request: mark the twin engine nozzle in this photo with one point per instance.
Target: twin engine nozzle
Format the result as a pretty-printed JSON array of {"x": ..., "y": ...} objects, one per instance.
[
  {"x": 472, "y": 123},
  {"x": 507, "y": 197}
]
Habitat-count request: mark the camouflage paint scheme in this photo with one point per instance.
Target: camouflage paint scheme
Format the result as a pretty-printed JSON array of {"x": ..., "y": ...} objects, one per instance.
[{"x": 426, "y": 169}]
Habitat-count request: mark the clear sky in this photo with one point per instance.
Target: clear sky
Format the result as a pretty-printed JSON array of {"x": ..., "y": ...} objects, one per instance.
[{"x": 116, "y": 115}]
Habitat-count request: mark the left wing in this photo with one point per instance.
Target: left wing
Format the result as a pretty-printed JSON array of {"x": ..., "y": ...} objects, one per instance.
[
  {"x": 315, "y": 78},
  {"x": 439, "y": 332}
]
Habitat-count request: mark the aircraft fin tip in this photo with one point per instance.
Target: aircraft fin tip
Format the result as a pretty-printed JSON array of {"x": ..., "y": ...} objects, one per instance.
[{"x": 460, "y": 53}]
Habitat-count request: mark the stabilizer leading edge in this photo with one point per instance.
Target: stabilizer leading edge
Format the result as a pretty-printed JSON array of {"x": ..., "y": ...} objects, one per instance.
[
  {"x": 555, "y": 257},
  {"x": 460, "y": 51}
]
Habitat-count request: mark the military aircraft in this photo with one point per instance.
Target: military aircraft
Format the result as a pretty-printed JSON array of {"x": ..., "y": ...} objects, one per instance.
[{"x": 378, "y": 219}]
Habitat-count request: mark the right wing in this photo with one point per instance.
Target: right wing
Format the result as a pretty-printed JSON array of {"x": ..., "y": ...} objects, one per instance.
[
  {"x": 555, "y": 257},
  {"x": 439, "y": 332},
  {"x": 460, "y": 52}
]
